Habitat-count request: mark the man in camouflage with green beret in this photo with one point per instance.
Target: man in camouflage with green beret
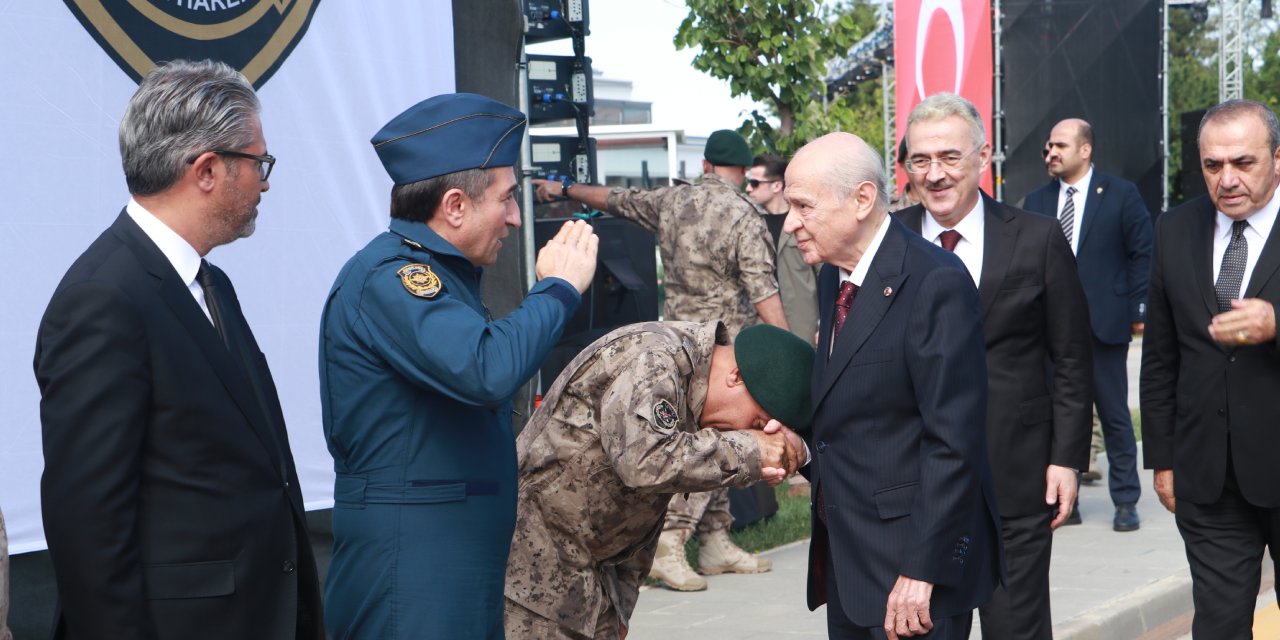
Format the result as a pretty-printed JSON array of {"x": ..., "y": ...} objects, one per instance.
[
  {"x": 647, "y": 411},
  {"x": 720, "y": 265}
]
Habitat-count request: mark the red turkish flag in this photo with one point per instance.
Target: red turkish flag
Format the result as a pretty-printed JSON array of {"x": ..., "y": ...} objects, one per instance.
[{"x": 943, "y": 45}]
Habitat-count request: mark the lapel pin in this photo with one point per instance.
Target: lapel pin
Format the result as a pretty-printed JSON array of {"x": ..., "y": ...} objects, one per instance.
[
  {"x": 888, "y": 291},
  {"x": 1099, "y": 189}
]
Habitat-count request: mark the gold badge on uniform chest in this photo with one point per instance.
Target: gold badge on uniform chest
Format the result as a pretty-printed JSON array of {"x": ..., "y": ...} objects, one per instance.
[{"x": 419, "y": 280}]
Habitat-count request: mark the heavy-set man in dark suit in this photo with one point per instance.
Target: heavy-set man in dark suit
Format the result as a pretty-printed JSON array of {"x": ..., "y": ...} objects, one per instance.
[
  {"x": 1036, "y": 332},
  {"x": 905, "y": 535},
  {"x": 170, "y": 499},
  {"x": 1109, "y": 230},
  {"x": 1211, "y": 367}
]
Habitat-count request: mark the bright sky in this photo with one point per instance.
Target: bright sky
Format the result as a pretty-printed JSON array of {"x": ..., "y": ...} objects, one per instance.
[{"x": 633, "y": 41}]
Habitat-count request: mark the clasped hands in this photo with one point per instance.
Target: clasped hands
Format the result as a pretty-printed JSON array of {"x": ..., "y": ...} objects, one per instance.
[{"x": 781, "y": 452}]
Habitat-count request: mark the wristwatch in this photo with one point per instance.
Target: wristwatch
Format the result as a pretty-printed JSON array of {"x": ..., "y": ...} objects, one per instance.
[{"x": 565, "y": 183}]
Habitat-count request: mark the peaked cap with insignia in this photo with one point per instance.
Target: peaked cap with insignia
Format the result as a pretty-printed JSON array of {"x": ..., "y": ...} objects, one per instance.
[{"x": 447, "y": 134}]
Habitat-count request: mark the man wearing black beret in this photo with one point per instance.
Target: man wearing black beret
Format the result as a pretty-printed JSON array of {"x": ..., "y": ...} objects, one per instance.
[
  {"x": 719, "y": 265},
  {"x": 647, "y": 411},
  {"x": 416, "y": 379}
]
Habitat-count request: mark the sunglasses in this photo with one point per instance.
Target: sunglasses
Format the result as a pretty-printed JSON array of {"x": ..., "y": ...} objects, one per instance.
[{"x": 755, "y": 184}]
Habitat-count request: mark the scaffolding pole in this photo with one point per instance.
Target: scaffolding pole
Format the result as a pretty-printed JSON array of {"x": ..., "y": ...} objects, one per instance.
[
  {"x": 997, "y": 116},
  {"x": 1231, "y": 51},
  {"x": 1164, "y": 106},
  {"x": 888, "y": 84}
]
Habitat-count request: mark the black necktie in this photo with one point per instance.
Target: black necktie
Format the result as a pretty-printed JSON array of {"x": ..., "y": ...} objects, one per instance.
[
  {"x": 205, "y": 277},
  {"x": 1231, "y": 274}
]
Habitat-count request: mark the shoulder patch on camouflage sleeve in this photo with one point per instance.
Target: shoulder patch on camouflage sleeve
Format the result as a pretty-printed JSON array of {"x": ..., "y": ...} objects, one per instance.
[
  {"x": 419, "y": 280},
  {"x": 665, "y": 416}
]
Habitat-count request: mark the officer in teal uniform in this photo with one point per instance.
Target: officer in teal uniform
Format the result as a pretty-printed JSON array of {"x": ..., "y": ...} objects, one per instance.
[{"x": 416, "y": 380}]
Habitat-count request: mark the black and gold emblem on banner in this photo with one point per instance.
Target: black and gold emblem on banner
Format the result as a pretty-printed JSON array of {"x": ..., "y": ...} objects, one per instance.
[
  {"x": 254, "y": 36},
  {"x": 419, "y": 280}
]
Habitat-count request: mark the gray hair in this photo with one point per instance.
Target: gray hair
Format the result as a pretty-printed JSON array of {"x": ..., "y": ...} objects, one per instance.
[
  {"x": 1233, "y": 109},
  {"x": 941, "y": 106},
  {"x": 418, "y": 201},
  {"x": 180, "y": 110}
]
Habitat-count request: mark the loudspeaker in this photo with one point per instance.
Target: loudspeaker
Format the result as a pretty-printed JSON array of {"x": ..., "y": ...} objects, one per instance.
[
  {"x": 624, "y": 291},
  {"x": 1191, "y": 179},
  {"x": 1091, "y": 59}
]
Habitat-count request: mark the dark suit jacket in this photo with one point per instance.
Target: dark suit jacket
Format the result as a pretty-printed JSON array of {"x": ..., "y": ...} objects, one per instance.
[
  {"x": 898, "y": 443},
  {"x": 1195, "y": 392},
  {"x": 1113, "y": 254},
  {"x": 171, "y": 504},
  {"x": 1039, "y": 355}
]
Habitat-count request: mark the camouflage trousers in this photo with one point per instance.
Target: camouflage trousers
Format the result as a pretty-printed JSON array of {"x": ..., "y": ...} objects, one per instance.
[
  {"x": 522, "y": 623},
  {"x": 706, "y": 511},
  {"x": 4, "y": 583}
]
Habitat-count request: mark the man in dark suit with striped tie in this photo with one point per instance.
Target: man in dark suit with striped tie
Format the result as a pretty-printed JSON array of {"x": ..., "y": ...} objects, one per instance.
[
  {"x": 1109, "y": 230},
  {"x": 905, "y": 540},
  {"x": 1211, "y": 367}
]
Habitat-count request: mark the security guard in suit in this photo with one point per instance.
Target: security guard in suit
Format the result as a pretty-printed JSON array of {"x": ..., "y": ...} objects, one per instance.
[{"x": 417, "y": 378}]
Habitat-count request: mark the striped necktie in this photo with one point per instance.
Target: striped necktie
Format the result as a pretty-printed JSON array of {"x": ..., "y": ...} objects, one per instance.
[{"x": 1068, "y": 217}]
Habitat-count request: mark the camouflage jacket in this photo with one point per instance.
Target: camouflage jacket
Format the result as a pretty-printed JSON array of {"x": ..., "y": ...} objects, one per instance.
[
  {"x": 716, "y": 251},
  {"x": 616, "y": 435}
]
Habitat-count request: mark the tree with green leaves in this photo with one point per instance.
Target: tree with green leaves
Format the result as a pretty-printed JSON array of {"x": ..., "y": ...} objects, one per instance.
[
  {"x": 775, "y": 52},
  {"x": 1193, "y": 73}
]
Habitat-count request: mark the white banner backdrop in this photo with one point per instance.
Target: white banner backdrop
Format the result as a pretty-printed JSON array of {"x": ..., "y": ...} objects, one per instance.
[{"x": 359, "y": 64}]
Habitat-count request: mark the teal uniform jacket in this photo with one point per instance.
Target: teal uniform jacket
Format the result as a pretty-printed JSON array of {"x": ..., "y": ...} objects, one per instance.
[{"x": 416, "y": 381}]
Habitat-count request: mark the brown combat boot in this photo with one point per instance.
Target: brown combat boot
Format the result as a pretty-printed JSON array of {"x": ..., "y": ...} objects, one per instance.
[
  {"x": 718, "y": 554},
  {"x": 672, "y": 567}
]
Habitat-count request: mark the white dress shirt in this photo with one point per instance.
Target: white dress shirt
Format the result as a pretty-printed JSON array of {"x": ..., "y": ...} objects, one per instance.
[
  {"x": 1082, "y": 194},
  {"x": 1260, "y": 223},
  {"x": 971, "y": 228},
  {"x": 860, "y": 270},
  {"x": 183, "y": 257}
]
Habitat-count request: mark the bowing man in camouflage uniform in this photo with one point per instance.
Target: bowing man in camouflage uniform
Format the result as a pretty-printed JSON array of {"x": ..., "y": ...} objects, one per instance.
[
  {"x": 719, "y": 261},
  {"x": 623, "y": 428}
]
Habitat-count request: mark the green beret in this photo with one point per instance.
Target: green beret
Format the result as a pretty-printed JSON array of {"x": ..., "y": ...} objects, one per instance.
[
  {"x": 777, "y": 366},
  {"x": 725, "y": 148}
]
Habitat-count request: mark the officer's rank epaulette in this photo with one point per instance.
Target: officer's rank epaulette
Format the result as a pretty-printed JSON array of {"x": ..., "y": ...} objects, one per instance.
[{"x": 419, "y": 280}]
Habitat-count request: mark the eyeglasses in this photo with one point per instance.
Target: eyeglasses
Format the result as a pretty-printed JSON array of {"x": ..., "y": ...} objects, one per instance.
[
  {"x": 265, "y": 162},
  {"x": 950, "y": 161},
  {"x": 755, "y": 184}
]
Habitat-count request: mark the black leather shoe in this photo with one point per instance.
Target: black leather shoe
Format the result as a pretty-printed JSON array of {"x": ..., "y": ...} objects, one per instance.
[{"x": 1126, "y": 518}]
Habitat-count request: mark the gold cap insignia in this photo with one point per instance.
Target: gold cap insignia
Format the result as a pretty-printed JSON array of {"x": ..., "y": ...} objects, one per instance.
[{"x": 419, "y": 280}]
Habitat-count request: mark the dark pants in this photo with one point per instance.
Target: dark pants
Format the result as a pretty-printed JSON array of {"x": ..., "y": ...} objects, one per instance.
[
  {"x": 840, "y": 627},
  {"x": 1224, "y": 543},
  {"x": 1111, "y": 396},
  {"x": 1019, "y": 608}
]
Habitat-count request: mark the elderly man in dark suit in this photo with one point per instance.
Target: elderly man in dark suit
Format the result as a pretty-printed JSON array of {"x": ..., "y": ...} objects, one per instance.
[
  {"x": 1211, "y": 367},
  {"x": 905, "y": 531},
  {"x": 1109, "y": 230},
  {"x": 170, "y": 499},
  {"x": 1036, "y": 331}
]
